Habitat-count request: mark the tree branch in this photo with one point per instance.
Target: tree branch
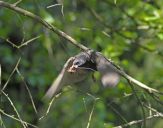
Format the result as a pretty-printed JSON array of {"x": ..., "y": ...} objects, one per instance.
[
  {"x": 44, "y": 23},
  {"x": 14, "y": 118},
  {"x": 138, "y": 121}
]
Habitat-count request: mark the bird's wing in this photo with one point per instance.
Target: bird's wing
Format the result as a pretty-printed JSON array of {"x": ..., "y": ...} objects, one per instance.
[
  {"x": 59, "y": 81},
  {"x": 65, "y": 78},
  {"x": 109, "y": 75},
  {"x": 109, "y": 79}
]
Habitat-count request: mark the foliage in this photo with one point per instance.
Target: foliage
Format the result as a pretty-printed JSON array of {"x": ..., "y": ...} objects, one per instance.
[{"x": 128, "y": 32}]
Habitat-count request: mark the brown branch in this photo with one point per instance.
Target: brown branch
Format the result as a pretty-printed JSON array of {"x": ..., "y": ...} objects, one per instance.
[
  {"x": 154, "y": 110},
  {"x": 22, "y": 43},
  {"x": 132, "y": 80},
  {"x": 14, "y": 118},
  {"x": 44, "y": 23},
  {"x": 137, "y": 121},
  {"x": 18, "y": 115},
  {"x": 26, "y": 86},
  {"x": 8, "y": 80},
  {"x": 49, "y": 106}
]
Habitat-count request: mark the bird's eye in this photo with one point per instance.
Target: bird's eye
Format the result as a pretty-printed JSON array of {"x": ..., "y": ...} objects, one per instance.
[{"x": 76, "y": 63}]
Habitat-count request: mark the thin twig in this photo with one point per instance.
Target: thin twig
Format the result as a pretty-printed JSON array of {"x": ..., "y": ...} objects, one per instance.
[
  {"x": 62, "y": 7},
  {"x": 132, "y": 80},
  {"x": 1, "y": 122},
  {"x": 139, "y": 101},
  {"x": 102, "y": 22},
  {"x": 90, "y": 116},
  {"x": 54, "y": 5},
  {"x": 16, "y": 3},
  {"x": 137, "y": 121},
  {"x": 44, "y": 23},
  {"x": 30, "y": 95},
  {"x": 12, "y": 117},
  {"x": 13, "y": 71},
  {"x": 49, "y": 106},
  {"x": 24, "y": 125},
  {"x": 157, "y": 99},
  {"x": 118, "y": 113},
  {"x": 154, "y": 110},
  {"x": 24, "y": 44}
]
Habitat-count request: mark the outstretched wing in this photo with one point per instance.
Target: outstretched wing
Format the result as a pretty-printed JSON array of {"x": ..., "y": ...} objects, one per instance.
[
  {"x": 109, "y": 75},
  {"x": 59, "y": 81},
  {"x": 66, "y": 78}
]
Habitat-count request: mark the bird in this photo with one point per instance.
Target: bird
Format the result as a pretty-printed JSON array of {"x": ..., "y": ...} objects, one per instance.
[
  {"x": 77, "y": 68},
  {"x": 73, "y": 71}
]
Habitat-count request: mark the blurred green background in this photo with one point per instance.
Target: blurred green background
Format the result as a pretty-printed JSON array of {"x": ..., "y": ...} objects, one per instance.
[{"x": 128, "y": 32}]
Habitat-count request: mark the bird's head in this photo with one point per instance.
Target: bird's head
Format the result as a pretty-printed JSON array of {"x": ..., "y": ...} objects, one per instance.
[{"x": 81, "y": 61}]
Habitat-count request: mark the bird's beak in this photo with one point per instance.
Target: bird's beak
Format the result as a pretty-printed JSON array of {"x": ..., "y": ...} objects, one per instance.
[{"x": 73, "y": 69}]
